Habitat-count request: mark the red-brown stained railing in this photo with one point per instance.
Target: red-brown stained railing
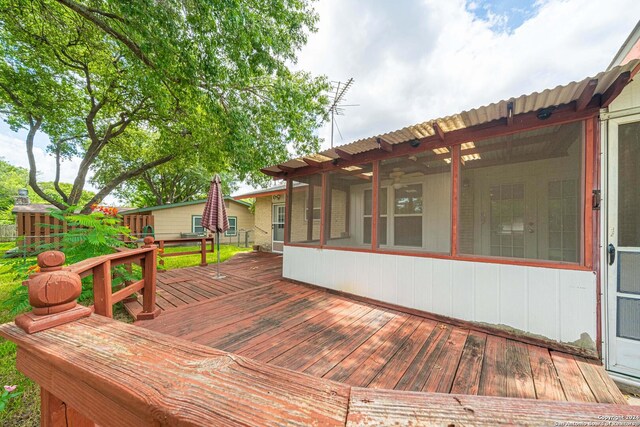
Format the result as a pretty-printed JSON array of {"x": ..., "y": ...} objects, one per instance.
[
  {"x": 54, "y": 290},
  {"x": 203, "y": 248}
]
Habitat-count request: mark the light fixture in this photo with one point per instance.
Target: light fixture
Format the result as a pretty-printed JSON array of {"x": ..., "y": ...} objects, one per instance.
[
  {"x": 334, "y": 162},
  {"x": 545, "y": 113},
  {"x": 415, "y": 143}
]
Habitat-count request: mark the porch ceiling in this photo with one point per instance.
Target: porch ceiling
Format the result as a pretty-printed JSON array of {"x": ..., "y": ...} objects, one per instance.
[{"x": 601, "y": 86}]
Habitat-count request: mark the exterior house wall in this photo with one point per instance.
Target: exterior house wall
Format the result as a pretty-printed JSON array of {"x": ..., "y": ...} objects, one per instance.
[
  {"x": 557, "y": 304},
  {"x": 170, "y": 222},
  {"x": 263, "y": 221}
]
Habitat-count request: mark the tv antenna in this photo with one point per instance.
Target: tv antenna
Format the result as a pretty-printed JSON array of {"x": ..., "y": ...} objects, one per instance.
[{"x": 339, "y": 90}]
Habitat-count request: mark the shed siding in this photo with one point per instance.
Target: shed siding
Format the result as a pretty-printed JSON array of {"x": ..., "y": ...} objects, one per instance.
[{"x": 506, "y": 295}]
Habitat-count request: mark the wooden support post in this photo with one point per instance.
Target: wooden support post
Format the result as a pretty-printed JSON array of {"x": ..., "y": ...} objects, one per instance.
[
  {"x": 374, "y": 204},
  {"x": 52, "y": 294},
  {"x": 203, "y": 252},
  {"x": 455, "y": 197},
  {"x": 310, "y": 212},
  {"x": 287, "y": 212},
  {"x": 325, "y": 210},
  {"x": 149, "y": 309},
  {"x": 102, "y": 289},
  {"x": 56, "y": 413}
]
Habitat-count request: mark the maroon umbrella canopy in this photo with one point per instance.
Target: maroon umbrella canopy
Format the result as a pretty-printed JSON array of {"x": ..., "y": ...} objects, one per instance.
[{"x": 214, "y": 217}]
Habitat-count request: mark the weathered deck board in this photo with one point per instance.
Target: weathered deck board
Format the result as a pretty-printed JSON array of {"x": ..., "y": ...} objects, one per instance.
[
  {"x": 119, "y": 374},
  {"x": 185, "y": 286},
  {"x": 368, "y": 407},
  {"x": 363, "y": 344}
]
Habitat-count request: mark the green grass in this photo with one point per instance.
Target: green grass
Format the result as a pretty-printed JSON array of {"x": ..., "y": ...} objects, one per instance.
[
  {"x": 226, "y": 252},
  {"x": 25, "y": 410}
]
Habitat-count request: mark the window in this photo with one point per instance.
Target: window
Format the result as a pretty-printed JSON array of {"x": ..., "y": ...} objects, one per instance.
[
  {"x": 520, "y": 195},
  {"x": 415, "y": 202},
  {"x": 347, "y": 204},
  {"x": 305, "y": 222},
  {"x": 382, "y": 218},
  {"x": 196, "y": 224},
  {"x": 317, "y": 204},
  {"x": 233, "y": 227}
]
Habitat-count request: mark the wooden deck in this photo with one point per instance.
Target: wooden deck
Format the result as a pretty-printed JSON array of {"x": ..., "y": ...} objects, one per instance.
[
  {"x": 309, "y": 330},
  {"x": 183, "y": 286}
]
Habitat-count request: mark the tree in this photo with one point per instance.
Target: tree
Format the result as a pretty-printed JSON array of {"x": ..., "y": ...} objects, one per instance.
[
  {"x": 14, "y": 178},
  {"x": 170, "y": 183},
  {"x": 200, "y": 82}
]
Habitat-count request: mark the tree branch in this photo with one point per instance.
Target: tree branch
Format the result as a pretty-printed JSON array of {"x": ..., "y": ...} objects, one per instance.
[
  {"x": 56, "y": 181},
  {"x": 33, "y": 171},
  {"x": 110, "y": 186},
  {"x": 89, "y": 15}
]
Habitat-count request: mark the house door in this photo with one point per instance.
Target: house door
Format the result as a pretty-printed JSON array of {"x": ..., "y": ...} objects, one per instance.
[
  {"x": 278, "y": 228},
  {"x": 623, "y": 247}
]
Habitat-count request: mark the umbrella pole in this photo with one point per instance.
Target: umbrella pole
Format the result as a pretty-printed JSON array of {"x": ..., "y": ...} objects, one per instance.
[{"x": 218, "y": 276}]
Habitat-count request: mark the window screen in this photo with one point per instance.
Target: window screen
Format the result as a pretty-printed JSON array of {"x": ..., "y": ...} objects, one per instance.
[
  {"x": 349, "y": 206},
  {"x": 305, "y": 207},
  {"x": 520, "y": 195},
  {"x": 415, "y": 202}
]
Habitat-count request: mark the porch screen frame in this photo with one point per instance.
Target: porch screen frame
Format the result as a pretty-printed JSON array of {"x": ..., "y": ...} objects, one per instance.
[{"x": 588, "y": 183}]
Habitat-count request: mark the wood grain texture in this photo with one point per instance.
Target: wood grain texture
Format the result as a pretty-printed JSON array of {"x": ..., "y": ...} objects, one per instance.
[
  {"x": 363, "y": 343},
  {"x": 163, "y": 381},
  {"x": 368, "y": 407}
]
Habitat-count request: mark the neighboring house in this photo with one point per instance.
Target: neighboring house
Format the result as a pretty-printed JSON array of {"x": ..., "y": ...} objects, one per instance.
[
  {"x": 524, "y": 214},
  {"x": 177, "y": 220}
]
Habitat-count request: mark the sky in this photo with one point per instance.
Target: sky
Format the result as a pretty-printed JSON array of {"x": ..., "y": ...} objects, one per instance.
[{"x": 413, "y": 61}]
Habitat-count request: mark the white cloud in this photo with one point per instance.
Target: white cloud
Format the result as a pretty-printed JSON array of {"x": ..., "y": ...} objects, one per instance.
[{"x": 413, "y": 61}]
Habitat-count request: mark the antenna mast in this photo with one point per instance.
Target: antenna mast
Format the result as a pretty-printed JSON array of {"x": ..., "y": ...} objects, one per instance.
[{"x": 336, "y": 107}]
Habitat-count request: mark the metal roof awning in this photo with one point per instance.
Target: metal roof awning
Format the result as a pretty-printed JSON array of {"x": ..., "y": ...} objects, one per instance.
[{"x": 593, "y": 92}]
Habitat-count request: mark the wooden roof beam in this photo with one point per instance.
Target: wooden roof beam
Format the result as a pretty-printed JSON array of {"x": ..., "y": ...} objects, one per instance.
[
  {"x": 287, "y": 168},
  {"x": 438, "y": 130},
  {"x": 313, "y": 163},
  {"x": 271, "y": 173},
  {"x": 343, "y": 154},
  {"x": 384, "y": 145},
  {"x": 614, "y": 90},
  {"x": 586, "y": 95}
]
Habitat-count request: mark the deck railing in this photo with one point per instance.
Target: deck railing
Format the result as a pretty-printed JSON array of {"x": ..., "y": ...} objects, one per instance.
[
  {"x": 93, "y": 370},
  {"x": 162, "y": 243},
  {"x": 55, "y": 289}
]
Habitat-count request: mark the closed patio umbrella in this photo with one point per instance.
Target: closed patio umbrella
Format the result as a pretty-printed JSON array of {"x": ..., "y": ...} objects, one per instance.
[{"x": 214, "y": 217}]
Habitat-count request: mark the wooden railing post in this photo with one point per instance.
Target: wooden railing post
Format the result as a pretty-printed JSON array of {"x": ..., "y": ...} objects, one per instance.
[
  {"x": 203, "y": 252},
  {"x": 149, "y": 309},
  {"x": 56, "y": 413},
  {"x": 102, "y": 289},
  {"x": 52, "y": 294}
]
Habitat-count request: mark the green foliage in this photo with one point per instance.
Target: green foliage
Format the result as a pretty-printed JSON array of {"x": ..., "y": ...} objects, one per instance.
[
  {"x": 175, "y": 182},
  {"x": 87, "y": 236},
  {"x": 130, "y": 85}
]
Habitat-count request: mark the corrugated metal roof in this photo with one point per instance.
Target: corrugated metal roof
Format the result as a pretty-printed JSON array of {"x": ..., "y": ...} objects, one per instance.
[{"x": 523, "y": 104}]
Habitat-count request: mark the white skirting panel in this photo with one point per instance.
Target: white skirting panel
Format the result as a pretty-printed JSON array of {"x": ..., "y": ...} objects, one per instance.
[{"x": 557, "y": 304}]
